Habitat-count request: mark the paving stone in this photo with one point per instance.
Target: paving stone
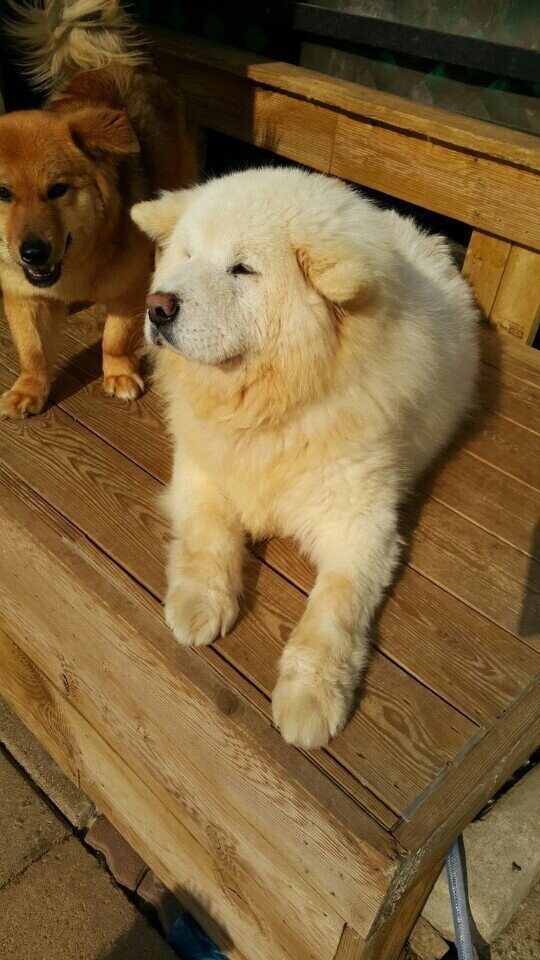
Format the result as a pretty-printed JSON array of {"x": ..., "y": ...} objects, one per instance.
[
  {"x": 126, "y": 866},
  {"x": 502, "y": 853},
  {"x": 28, "y": 826},
  {"x": 42, "y": 769},
  {"x": 66, "y": 907},
  {"x": 166, "y": 906},
  {"x": 521, "y": 939},
  {"x": 425, "y": 943}
]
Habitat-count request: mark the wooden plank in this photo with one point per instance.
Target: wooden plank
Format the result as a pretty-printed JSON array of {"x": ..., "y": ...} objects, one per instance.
[
  {"x": 517, "y": 304},
  {"x": 350, "y": 946},
  {"x": 484, "y": 266},
  {"x": 473, "y": 189},
  {"x": 503, "y": 444},
  {"x": 471, "y": 781},
  {"x": 290, "y": 127},
  {"x": 398, "y": 915},
  {"x": 140, "y": 691},
  {"x": 417, "y": 627},
  {"x": 481, "y": 174},
  {"x": 90, "y": 484},
  {"x": 510, "y": 146},
  {"x": 89, "y": 480},
  {"x": 495, "y": 502},
  {"x": 478, "y": 568},
  {"x": 374, "y": 744},
  {"x": 57, "y": 485},
  {"x": 492, "y": 500},
  {"x": 509, "y": 512},
  {"x": 162, "y": 840},
  {"x": 511, "y": 357},
  {"x": 517, "y": 400}
]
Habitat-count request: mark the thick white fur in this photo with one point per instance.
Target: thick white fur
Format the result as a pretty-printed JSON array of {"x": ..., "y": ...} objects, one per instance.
[
  {"x": 60, "y": 38},
  {"x": 303, "y": 400}
]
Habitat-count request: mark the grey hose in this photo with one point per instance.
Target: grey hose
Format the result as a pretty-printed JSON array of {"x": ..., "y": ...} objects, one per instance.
[{"x": 458, "y": 900}]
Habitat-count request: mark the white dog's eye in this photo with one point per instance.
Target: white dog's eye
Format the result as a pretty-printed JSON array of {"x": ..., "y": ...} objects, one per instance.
[{"x": 240, "y": 268}]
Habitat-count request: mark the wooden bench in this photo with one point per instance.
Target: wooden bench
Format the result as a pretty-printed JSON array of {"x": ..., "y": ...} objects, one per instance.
[
  {"x": 281, "y": 855},
  {"x": 478, "y": 173}
]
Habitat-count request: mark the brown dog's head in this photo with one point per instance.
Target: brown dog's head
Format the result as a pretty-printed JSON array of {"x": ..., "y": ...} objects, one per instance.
[{"x": 57, "y": 184}]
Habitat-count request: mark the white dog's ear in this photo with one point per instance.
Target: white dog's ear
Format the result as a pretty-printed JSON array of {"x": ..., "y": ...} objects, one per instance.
[
  {"x": 338, "y": 271},
  {"x": 158, "y": 218}
]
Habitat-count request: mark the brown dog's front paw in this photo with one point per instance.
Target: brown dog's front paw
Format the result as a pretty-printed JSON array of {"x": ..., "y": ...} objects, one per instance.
[
  {"x": 125, "y": 386},
  {"x": 22, "y": 401}
]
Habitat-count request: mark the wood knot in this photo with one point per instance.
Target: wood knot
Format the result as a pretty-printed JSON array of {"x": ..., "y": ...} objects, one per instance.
[{"x": 228, "y": 703}]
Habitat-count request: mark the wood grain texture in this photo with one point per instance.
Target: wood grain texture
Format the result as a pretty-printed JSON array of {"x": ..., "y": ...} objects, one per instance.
[
  {"x": 517, "y": 304},
  {"x": 163, "y": 842},
  {"x": 88, "y": 480},
  {"x": 469, "y": 784},
  {"x": 462, "y": 657},
  {"x": 416, "y": 640},
  {"x": 488, "y": 498},
  {"x": 505, "y": 445},
  {"x": 210, "y": 771},
  {"x": 484, "y": 267},
  {"x": 453, "y": 129},
  {"x": 104, "y": 490},
  {"x": 510, "y": 397},
  {"x": 351, "y": 945},
  {"x": 482, "y": 175},
  {"x": 398, "y": 915},
  {"x": 465, "y": 186},
  {"x": 476, "y": 567},
  {"x": 511, "y": 357},
  {"x": 287, "y": 126}
]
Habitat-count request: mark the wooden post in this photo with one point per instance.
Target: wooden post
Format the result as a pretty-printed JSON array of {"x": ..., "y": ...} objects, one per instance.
[
  {"x": 484, "y": 267},
  {"x": 517, "y": 304},
  {"x": 506, "y": 281},
  {"x": 396, "y": 920}
]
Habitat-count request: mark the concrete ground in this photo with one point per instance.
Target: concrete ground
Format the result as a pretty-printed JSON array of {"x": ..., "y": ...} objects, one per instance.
[
  {"x": 57, "y": 901},
  {"x": 70, "y": 886}
]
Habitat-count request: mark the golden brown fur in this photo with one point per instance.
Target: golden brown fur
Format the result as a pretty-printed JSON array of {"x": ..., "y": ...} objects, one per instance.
[{"x": 114, "y": 135}]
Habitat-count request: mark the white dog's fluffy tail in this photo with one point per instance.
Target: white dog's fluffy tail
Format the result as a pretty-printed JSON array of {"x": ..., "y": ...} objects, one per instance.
[{"x": 60, "y": 38}]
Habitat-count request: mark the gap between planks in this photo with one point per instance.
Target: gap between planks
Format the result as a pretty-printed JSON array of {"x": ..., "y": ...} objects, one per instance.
[
  {"x": 451, "y": 730},
  {"x": 281, "y": 570}
]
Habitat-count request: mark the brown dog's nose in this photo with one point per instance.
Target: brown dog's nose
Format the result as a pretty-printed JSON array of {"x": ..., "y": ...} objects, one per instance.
[
  {"x": 162, "y": 307},
  {"x": 35, "y": 252}
]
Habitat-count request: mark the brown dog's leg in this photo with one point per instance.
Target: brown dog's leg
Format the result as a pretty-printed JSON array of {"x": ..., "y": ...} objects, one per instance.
[
  {"x": 121, "y": 339},
  {"x": 34, "y": 326}
]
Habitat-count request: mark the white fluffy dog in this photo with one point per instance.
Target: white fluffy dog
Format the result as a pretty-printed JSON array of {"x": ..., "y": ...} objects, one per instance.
[{"x": 316, "y": 353}]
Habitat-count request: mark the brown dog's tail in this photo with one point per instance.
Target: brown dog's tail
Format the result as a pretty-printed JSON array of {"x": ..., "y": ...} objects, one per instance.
[{"x": 60, "y": 38}]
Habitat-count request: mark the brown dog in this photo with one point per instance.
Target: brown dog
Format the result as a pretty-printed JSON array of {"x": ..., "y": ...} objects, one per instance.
[{"x": 109, "y": 136}]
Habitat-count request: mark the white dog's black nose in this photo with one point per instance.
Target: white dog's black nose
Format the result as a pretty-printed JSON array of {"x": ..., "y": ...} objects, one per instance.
[{"x": 162, "y": 307}]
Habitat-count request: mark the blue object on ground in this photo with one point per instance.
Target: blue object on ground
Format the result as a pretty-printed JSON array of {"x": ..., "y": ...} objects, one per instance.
[{"x": 190, "y": 942}]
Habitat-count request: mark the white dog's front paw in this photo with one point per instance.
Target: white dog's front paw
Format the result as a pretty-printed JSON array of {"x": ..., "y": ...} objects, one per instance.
[
  {"x": 198, "y": 615},
  {"x": 308, "y": 708}
]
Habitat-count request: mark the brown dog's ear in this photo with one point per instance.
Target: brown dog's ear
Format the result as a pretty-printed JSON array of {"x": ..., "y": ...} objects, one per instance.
[
  {"x": 158, "y": 218},
  {"x": 338, "y": 273},
  {"x": 98, "y": 130}
]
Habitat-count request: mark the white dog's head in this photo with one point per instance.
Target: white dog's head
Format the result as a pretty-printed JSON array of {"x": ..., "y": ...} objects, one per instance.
[
  {"x": 243, "y": 256},
  {"x": 261, "y": 273}
]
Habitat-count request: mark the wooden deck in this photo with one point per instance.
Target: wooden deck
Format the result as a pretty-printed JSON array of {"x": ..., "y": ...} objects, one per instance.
[{"x": 281, "y": 855}]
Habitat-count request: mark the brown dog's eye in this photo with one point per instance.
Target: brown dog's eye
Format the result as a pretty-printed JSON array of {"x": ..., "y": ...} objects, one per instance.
[
  {"x": 57, "y": 190},
  {"x": 240, "y": 268},
  {"x": 5, "y": 194}
]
